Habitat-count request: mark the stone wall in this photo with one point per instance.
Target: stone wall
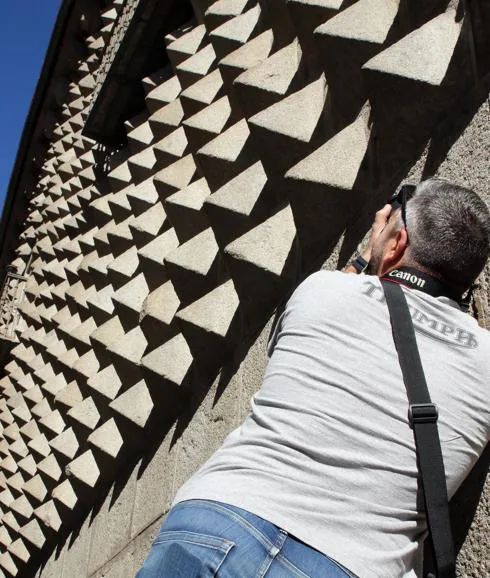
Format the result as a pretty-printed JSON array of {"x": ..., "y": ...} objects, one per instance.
[{"x": 263, "y": 151}]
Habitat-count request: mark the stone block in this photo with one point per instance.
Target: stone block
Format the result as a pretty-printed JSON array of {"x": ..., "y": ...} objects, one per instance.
[
  {"x": 286, "y": 131},
  {"x": 263, "y": 85},
  {"x": 195, "y": 267},
  {"x": 49, "y": 516},
  {"x": 175, "y": 177},
  {"x": 152, "y": 255},
  {"x": 162, "y": 94},
  {"x": 237, "y": 31},
  {"x": 251, "y": 54},
  {"x": 307, "y": 15},
  {"x": 223, "y": 10},
  {"x": 186, "y": 45},
  {"x": 168, "y": 366},
  {"x": 211, "y": 325},
  {"x": 332, "y": 173},
  {"x": 354, "y": 35},
  {"x": 135, "y": 404},
  {"x": 209, "y": 123},
  {"x": 107, "y": 438},
  {"x": 184, "y": 210},
  {"x": 166, "y": 119},
  {"x": 429, "y": 67},
  {"x": 84, "y": 469},
  {"x": 129, "y": 299},
  {"x": 158, "y": 312},
  {"x": 224, "y": 157},
  {"x": 195, "y": 67},
  {"x": 141, "y": 164},
  {"x": 202, "y": 93},
  {"x": 171, "y": 148}
]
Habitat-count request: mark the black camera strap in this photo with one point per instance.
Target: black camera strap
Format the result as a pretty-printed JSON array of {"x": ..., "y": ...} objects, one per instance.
[
  {"x": 423, "y": 420},
  {"x": 422, "y": 281}
]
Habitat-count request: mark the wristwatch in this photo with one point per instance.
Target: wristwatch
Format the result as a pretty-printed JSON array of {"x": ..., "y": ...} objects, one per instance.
[{"x": 359, "y": 263}]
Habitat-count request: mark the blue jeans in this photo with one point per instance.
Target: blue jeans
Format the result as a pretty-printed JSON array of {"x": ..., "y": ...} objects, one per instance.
[{"x": 201, "y": 539}]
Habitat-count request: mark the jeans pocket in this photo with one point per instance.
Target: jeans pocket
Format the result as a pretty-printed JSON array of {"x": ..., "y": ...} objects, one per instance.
[{"x": 180, "y": 554}]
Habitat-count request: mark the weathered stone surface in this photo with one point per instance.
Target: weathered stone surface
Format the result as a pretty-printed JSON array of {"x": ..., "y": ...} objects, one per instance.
[
  {"x": 107, "y": 438},
  {"x": 112, "y": 529},
  {"x": 85, "y": 469},
  {"x": 210, "y": 323},
  {"x": 170, "y": 362},
  {"x": 135, "y": 404}
]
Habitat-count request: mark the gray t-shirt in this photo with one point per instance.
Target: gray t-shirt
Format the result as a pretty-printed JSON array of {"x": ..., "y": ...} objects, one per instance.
[{"x": 327, "y": 453}]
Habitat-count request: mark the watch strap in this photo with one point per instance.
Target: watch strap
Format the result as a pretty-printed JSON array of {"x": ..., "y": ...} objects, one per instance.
[{"x": 360, "y": 264}]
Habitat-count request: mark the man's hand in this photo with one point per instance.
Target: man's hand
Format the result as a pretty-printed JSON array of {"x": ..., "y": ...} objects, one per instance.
[{"x": 379, "y": 224}]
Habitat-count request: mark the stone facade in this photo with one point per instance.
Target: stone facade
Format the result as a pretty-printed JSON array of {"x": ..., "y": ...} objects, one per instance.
[{"x": 146, "y": 275}]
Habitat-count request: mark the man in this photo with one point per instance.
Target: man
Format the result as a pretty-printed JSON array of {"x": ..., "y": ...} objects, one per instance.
[{"x": 321, "y": 479}]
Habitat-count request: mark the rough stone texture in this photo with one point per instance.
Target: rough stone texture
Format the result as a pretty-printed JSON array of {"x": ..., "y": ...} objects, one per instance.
[
  {"x": 148, "y": 277},
  {"x": 112, "y": 526}
]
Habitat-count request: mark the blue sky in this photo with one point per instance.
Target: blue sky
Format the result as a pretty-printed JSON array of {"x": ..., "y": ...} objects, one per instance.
[{"x": 23, "y": 43}]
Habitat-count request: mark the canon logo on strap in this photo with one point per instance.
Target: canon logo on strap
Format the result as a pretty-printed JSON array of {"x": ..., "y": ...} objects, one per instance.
[{"x": 414, "y": 280}]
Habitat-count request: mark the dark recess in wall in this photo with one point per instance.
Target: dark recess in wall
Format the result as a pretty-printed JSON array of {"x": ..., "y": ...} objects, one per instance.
[{"x": 141, "y": 53}]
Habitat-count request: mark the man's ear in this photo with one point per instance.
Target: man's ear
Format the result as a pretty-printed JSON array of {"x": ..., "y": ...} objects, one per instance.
[{"x": 395, "y": 250}]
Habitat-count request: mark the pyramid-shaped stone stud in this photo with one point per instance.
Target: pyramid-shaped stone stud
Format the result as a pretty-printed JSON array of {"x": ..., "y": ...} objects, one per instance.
[
  {"x": 355, "y": 35},
  {"x": 106, "y": 383},
  {"x": 268, "y": 82},
  {"x": 412, "y": 82},
  {"x": 223, "y": 10},
  {"x": 202, "y": 93},
  {"x": 49, "y": 515},
  {"x": 84, "y": 469},
  {"x": 212, "y": 325},
  {"x": 307, "y": 15},
  {"x": 168, "y": 366},
  {"x": 157, "y": 314},
  {"x": 184, "y": 210},
  {"x": 208, "y": 123},
  {"x": 107, "y": 438},
  {"x": 194, "y": 267},
  {"x": 247, "y": 56},
  {"x": 135, "y": 404},
  {"x": 186, "y": 45},
  {"x": 264, "y": 262},
  {"x": 237, "y": 31},
  {"x": 331, "y": 174},
  {"x": 166, "y": 119},
  {"x": 286, "y": 131},
  {"x": 227, "y": 155},
  {"x": 164, "y": 93},
  {"x": 65, "y": 495},
  {"x": 195, "y": 67}
]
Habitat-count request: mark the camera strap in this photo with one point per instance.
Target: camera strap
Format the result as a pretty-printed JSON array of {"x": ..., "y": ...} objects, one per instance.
[
  {"x": 422, "y": 415},
  {"x": 416, "y": 279}
]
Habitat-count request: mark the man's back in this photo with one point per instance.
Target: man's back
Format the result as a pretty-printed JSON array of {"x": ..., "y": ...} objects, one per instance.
[{"x": 327, "y": 453}]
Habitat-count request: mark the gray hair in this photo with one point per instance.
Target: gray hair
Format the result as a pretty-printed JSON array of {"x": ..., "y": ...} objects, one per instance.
[{"x": 448, "y": 230}]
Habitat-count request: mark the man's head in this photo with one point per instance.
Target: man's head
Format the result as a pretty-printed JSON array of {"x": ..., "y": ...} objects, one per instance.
[{"x": 447, "y": 233}]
